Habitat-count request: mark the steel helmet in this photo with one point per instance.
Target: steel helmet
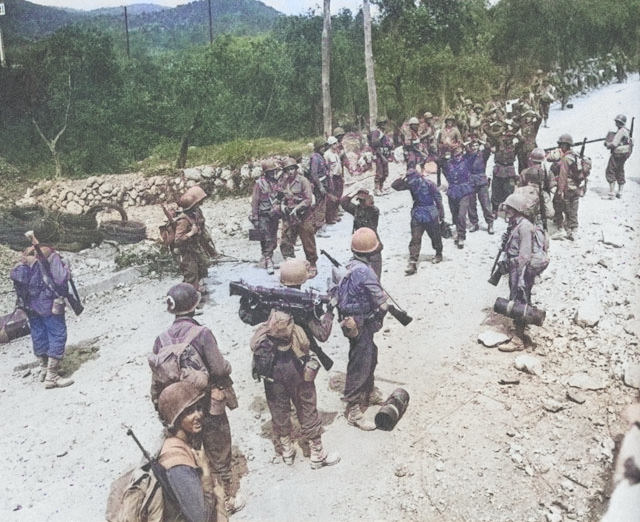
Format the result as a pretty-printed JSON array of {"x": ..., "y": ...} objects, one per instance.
[
  {"x": 289, "y": 162},
  {"x": 269, "y": 164},
  {"x": 182, "y": 299},
  {"x": 332, "y": 140},
  {"x": 192, "y": 197},
  {"x": 621, "y": 118},
  {"x": 449, "y": 116},
  {"x": 532, "y": 175},
  {"x": 427, "y": 115},
  {"x": 381, "y": 119},
  {"x": 459, "y": 90},
  {"x": 318, "y": 143},
  {"x": 565, "y": 138},
  {"x": 293, "y": 272},
  {"x": 338, "y": 131},
  {"x": 537, "y": 155},
  {"x": 364, "y": 241},
  {"x": 176, "y": 398},
  {"x": 477, "y": 106},
  {"x": 517, "y": 202},
  {"x": 413, "y": 121},
  {"x": 46, "y": 231},
  {"x": 468, "y": 101}
]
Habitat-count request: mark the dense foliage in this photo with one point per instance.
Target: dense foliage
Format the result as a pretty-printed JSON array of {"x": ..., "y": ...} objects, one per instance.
[{"x": 267, "y": 84}]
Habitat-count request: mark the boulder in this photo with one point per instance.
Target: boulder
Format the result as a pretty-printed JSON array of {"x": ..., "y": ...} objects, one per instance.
[
  {"x": 589, "y": 313},
  {"x": 584, "y": 381},
  {"x": 632, "y": 375},
  {"x": 528, "y": 364},
  {"x": 74, "y": 207},
  {"x": 193, "y": 174},
  {"x": 491, "y": 338}
]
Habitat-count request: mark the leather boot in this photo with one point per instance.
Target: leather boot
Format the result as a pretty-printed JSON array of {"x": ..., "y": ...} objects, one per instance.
[
  {"x": 44, "y": 361},
  {"x": 356, "y": 418},
  {"x": 288, "y": 451},
  {"x": 412, "y": 268},
  {"x": 620, "y": 188},
  {"x": 490, "y": 227},
  {"x": 53, "y": 380},
  {"x": 320, "y": 457},
  {"x": 612, "y": 190}
]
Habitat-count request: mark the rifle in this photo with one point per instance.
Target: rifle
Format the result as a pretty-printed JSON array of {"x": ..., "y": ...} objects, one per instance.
[
  {"x": 396, "y": 311},
  {"x": 257, "y": 301},
  {"x": 582, "y": 143},
  {"x": 583, "y": 188},
  {"x": 498, "y": 269},
  {"x": 156, "y": 468},
  {"x": 72, "y": 297},
  {"x": 633, "y": 120}
]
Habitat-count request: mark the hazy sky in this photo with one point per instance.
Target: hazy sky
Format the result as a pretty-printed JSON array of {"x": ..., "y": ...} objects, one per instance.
[{"x": 284, "y": 6}]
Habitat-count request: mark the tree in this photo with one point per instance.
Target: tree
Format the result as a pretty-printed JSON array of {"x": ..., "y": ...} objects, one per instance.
[
  {"x": 368, "y": 58},
  {"x": 326, "y": 69}
]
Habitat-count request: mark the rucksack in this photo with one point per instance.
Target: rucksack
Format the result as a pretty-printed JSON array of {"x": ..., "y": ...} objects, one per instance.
[
  {"x": 264, "y": 359},
  {"x": 22, "y": 276},
  {"x": 540, "y": 250},
  {"x": 168, "y": 230},
  {"x": 136, "y": 496},
  {"x": 176, "y": 362}
]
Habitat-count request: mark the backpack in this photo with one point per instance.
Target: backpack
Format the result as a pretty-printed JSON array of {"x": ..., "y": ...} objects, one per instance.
[
  {"x": 264, "y": 359},
  {"x": 178, "y": 362},
  {"x": 540, "y": 251},
  {"x": 136, "y": 496},
  {"x": 22, "y": 277}
]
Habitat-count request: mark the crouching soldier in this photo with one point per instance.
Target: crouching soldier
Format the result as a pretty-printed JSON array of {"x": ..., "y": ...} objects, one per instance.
[
  {"x": 362, "y": 305},
  {"x": 282, "y": 359}
]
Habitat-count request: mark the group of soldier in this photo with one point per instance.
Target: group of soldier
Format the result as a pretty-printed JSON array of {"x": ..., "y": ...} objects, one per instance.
[{"x": 192, "y": 404}]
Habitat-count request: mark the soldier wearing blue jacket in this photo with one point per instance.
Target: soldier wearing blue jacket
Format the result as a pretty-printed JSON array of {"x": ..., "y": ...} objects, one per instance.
[
  {"x": 458, "y": 174},
  {"x": 477, "y": 156}
]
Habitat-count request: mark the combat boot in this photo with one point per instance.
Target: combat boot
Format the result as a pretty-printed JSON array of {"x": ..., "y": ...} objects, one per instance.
[
  {"x": 356, "y": 418},
  {"x": 490, "y": 228},
  {"x": 619, "y": 194},
  {"x": 288, "y": 451},
  {"x": 269, "y": 265},
  {"x": 53, "y": 380},
  {"x": 474, "y": 228},
  {"x": 437, "y": 258},
  {"x": 43, "y": 360},
  {"x": 320, "y": 457},
  {"x": 412, "y": 268}
]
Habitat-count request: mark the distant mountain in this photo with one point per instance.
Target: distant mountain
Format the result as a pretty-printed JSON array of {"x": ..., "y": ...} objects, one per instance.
[{"x": 150, "y": 24}]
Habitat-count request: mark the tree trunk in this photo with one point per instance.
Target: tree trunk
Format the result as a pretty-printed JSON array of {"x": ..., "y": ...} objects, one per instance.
[
  {"x": 368, "y": 59},
  {"x": 181, "y": 162},
  {"x": 326, "y": 68}
]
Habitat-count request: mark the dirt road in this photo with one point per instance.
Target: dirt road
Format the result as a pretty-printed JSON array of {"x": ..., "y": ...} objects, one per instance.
[{"x": 468, "y": 448}]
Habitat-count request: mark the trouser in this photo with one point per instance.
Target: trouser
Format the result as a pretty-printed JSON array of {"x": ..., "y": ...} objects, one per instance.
[
  {"x": 319, "y": 212},
  {"x": 48, "y": 335},
  {"x": 523, "y": 157},
  {"x": 544, "y": 110},
  {"x": 306, "y": 230},
  {"x": 269, "y": 225},
  {"x": 501, "y": 188},
  {"x": 566, "y": 211},
  {"x": 432, "y": 228},
  {"x": 288, "y": 387},
  {"x": 363, "y": 359},
  {"x": 216, "y": 440},
  {"x": 615, "y": 169},
  {"x": 459, "y": 209},
  {"x": 333, "y": 202},
  {"x": 482, "y": 194},
  {"x": 521, "y": 294},
  {"x": 194, "y": 265},
  {"x": 382, "y": 170}
]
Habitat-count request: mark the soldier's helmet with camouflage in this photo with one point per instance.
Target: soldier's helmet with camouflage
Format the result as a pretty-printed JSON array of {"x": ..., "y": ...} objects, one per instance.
[
  {"x": 621, "y": 118},
  {"x": 517, "y": 202}
]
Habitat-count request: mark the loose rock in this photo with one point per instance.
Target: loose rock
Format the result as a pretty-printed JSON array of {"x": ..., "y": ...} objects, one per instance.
[
  {"x": 528, "y": 364},
  {"x": 491, "y": 338}
]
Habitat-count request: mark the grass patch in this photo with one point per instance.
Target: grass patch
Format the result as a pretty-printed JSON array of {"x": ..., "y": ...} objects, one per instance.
[{"x": 76, "y": 355}]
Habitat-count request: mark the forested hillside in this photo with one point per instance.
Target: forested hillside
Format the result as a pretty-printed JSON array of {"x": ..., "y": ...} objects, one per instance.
[{"x": 109, "y": 111}]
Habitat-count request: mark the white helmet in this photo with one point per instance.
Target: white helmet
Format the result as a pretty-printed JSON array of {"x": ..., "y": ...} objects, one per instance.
[
  {"x": 332, "y": 140},
  {"x": 413, "y": 121}
]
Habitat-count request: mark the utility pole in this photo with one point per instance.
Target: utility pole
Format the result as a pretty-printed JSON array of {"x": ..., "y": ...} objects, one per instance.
[
  {"x": 126, "y": 30},
  {"x": 3, "y": 61},
  {"x": 210, "y": 25}
]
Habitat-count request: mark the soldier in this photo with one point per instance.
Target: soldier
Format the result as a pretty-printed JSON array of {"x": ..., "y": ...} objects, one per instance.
[
  {"x": 620, "y": 147},
  {"x": 193, "y": 242},
  {"x": 546, "y": 95},
  {"x": 39, "y": 290},
  {"x": 333, "y": 162},
  {"x": 476, "y": 156},
  {"x": 475, "y": 122},
  {"x": 320, "y": 181},
  {"x": 339, "y": 133},
  {"x": 381, "y": 145},
  {"x": 298, "y": 220},
  {"x": 507, "y": 146},
  {"x": 448, "y": 138},
  {"x": 362, "y": 305},
  {"x": 187, "y": 469},
  {"x": 458, "y": 174},
  {"x": 526, "y": 250},
  {"x": 535, "y": 184},
  {"x": 428, "y": 135},
  {"x": 293, "y": 372},
  {"x": 265, "y": 211},
  {"x": 529, "y": 123},
  {"x": 567, "y": 197},
  {"x": 365, "y": 214},
  {"x": 182, "y": 300},
  {"x": 426, "y": 214}
]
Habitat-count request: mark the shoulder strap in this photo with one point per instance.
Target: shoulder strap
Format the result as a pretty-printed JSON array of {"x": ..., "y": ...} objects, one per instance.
[{"x": 167, "y": 340}]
